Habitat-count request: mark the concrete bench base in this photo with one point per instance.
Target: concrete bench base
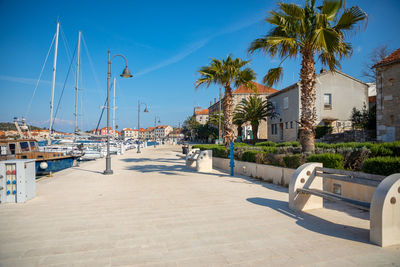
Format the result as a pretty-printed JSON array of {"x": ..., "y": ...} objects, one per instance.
[{"x": 306, "y": 192}]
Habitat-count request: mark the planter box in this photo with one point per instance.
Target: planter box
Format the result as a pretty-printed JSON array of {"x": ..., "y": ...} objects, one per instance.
[{"x": 268, "y": 173}]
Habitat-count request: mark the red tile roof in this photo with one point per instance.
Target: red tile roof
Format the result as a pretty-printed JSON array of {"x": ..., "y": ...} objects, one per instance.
[
  {"x": 261, "y": 89},
  {"x": 202, "y": 112},
  {"x": 390, "y": 59}
]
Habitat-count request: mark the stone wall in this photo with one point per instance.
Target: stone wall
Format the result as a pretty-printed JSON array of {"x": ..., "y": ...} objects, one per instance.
[{"x": 387, "y": 102}]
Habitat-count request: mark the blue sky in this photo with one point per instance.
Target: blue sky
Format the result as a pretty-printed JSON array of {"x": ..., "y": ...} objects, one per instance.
[{"x": 165, "y": 43}]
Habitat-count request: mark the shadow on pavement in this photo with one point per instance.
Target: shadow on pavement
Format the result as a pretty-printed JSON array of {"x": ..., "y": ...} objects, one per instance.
[
  {"x": 80, "y": 169},
  {"x": 313, "y": 223}
]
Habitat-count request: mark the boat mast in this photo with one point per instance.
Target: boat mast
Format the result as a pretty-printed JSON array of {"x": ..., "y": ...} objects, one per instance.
[
  {"x": 76, "y": 86},
  {"x": 113, "y": 125},
  {"x": 53, "y": 85}
]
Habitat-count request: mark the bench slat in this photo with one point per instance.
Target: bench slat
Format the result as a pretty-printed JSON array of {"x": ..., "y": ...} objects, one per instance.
[
  {"x": 336, "y": 198},
  {"x": 352, "y": 174},
  {"x": 350, "y": 179}
]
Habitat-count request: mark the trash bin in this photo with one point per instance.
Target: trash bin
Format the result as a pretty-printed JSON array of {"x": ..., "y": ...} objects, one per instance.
[{"x": 185, "y": 149}]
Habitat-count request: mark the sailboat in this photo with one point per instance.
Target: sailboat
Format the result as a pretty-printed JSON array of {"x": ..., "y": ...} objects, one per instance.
[{"x": 27, "y": 148}]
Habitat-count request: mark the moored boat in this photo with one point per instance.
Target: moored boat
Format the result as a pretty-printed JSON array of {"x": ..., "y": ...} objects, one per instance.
[{"x": 46, "y": 162}]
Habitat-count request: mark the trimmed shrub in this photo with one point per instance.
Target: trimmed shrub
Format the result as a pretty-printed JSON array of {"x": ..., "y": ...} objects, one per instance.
[
  {"x": 250, "y": 155},
  {"x": 269, "y": 149},
  {"x": 292, "y": 144},
  {"x": 380, "y": 150},
  {"x": 219, "y": 151},
  {"x": 321, "y": 131},
  {"x": 293, "y": 161},
  {"x": 334, "y": 161},
  {"x": 266, "y": 143},
  {"x": 394, "y": 146},
  {"x": 382, "y": 165},
  {"x": 274, "y": 159},
  {"x": 240, "y": 144}
]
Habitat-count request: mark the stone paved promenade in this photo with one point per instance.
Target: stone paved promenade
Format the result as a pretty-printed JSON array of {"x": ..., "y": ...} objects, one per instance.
[{"x": 155, "y": 212}]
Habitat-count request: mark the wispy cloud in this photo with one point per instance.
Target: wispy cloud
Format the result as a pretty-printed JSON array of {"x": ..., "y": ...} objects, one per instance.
[
  {"x": 57, "y": 121},
  {"x": 28, "y": 81},
  {"x": 21, "y": 80},
  {"x": 194, "y": 46}
]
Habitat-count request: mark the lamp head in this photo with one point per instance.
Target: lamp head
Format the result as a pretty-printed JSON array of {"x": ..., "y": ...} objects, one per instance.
[
  {"x": 145, "y": 109},
  {"x": 126, "y": 73},
  {"x": 159, "y": 121}
]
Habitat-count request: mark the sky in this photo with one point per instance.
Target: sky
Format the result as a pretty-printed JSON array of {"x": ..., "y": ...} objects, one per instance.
[{"x": 165, "y": 43}]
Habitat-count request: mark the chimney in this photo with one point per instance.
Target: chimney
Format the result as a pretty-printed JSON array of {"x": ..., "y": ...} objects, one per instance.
[
  {"x": 210, "y": 103},
  {"x": 215, "y": 100}
]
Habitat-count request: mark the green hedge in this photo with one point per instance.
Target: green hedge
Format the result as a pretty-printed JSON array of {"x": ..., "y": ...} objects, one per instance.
[
  {"x": 293, "y": 161},
  {"x": 322, "y": 130},
  {"x": 334, "y": 161},
  {"x": 266, "y": 143},
  {"x": 219, "y": 151},
  {"x": 382, "y": 165},
  {"x": 292, "y": 144},
  {"x": 250, "y": 155},
  {"x": 269, "y": 149},
  {"x": 238, "y": 144}
]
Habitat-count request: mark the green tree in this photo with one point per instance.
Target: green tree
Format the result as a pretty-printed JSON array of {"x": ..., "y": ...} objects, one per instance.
[
  {"x": 308, "y": 31},
  {"x": 227, "y": 72},
  {"x": 238, "y": 120},
  {"x": 363, "y": 118},
  {"x": 190, "y": 126},
  {"x": 253, "y": 109}
]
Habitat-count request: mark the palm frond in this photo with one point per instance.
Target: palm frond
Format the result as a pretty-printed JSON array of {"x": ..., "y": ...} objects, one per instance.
[
  {"x": 273, "y": 76},
  {"x": 350, "y": 18},
  {"x": 331, "y": 8},
  {"x": 292, "y": 10}
]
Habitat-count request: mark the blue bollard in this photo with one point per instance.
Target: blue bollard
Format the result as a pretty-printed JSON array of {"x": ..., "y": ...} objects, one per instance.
[{"x": 232, "y": 161}]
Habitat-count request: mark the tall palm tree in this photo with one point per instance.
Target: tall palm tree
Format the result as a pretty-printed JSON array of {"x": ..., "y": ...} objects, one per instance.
[
  {"x": 308, "y": 31},
  {"x": 254, "y": 110},
  {"x": 227, "y": 72},
  {"x": 238, "y": 120},
  {"x": 213, "y": 119}
]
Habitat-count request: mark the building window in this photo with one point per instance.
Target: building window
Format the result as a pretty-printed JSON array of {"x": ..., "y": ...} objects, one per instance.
[
  {"x": 274, "y": 129},
  {"x": 286, "y": 125},
  {"x": 327, "y": 101},
  {"x": 286, "y": 103},
  {"x": 291, "y": 124}
]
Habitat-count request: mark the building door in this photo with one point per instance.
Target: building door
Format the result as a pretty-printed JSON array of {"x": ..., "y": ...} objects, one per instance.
[{"x": 281, "y": 131}]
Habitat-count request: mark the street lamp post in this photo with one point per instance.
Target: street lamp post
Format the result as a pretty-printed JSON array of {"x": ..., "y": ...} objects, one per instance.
[
  {"x": 138, "y": 123},
  {"x": 125, "y": 74},
  {"x": 155, "y": 127}
]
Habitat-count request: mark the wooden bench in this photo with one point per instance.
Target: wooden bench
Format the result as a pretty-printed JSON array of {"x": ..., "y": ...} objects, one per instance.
[
  {"x": 306, "y": 192},
  {"x": 200, "y": 160}
]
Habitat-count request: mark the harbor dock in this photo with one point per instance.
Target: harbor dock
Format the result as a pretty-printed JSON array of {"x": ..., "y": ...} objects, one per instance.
[{"x": 154, "y": 211}]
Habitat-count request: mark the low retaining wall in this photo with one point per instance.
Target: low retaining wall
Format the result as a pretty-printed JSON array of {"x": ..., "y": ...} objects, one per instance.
[
  {"x": 268, "y": 173},
  {"x": 282, "y": 176}
]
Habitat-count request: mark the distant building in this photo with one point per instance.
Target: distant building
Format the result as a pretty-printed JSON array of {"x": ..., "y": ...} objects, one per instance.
[
  {"x": 388, "y": 98},
  {"x": 162, "y": 131},
  {"x": 243, "y": 92},
  {"x": 336, "y": 95},
  {"x": 128, "y": 133},
  {"x": 201, "y": 115}
]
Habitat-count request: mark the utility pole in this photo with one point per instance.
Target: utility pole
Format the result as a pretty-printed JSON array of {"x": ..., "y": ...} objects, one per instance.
[{"x": 114, "y": 107}]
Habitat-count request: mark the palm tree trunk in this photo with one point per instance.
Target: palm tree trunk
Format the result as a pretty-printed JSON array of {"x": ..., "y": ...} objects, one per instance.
[
  {"x": 254, "y": 128},
  {"x": 228, "y": 115},
  {"x": 308, "y": 112}
]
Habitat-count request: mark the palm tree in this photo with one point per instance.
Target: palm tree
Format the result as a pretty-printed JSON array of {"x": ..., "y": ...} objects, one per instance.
[
  {"x": 254, "y": 110},
  {"x": 308, "y": 31},
  {"x": 238, "y": 120},
  {"x": 213, "y": 119},
  {"x": 227, "y": 72}
]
